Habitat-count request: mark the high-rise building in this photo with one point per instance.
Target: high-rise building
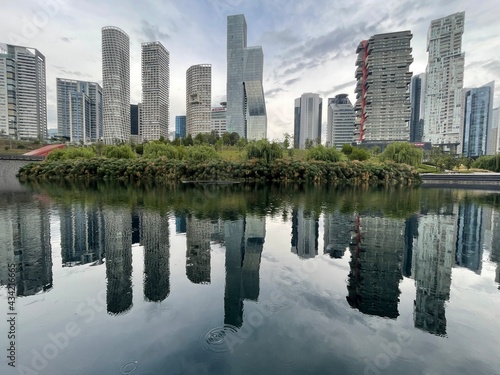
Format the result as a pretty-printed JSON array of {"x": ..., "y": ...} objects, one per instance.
[
  {"x": 198, "y": 234},
  {"x": 469, "y": 252},
  {"x": 198, "y": 99},
  {"x": 494, "y": 140},
  {"x": 246, "y": 106},
  {"x": 115, "y": 85},
  {"x": 307, "y": 121},
  {"x": 305, "y": 233},
  {"x": 23, "y": 93},
  {"x": 219, "y": 123},
  {"x": 444, "y": 83},
  {"x": 337, "y": 233},
  {"x": 341, "y": 120},
  {"x": 478, "y": 119},
  {"x": 79, "y": 110},
  {"x": 382, "y": 96},
  {"x": 417, "y": 102},
  {"x": 155, "y": 106},
  {"x": 134, "y": 119},
  {"x": 180, "y": 127}
]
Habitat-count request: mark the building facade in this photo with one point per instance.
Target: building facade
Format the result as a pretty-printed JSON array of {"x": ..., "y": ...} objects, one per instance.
[
  {"x": 219, "y": 123},
  {"x": 307, "y": 121},
  {"x": 199, "y": 99},
  {"x": 382, "y": 96},
  {"x": 155, "y": 62},
  {"x": 180, "y": 127},
  {"x": 444, "y": 83},
  {"x": 79, "y": 110},
  {"x": 23, "y": 93},
  {"x": 116, "y": 85},
  {"x": 340, "y": 121},
  {"x": 135, "y": 122},
  {"x": 417, "y": 102},
  {"x": 494, "y": 140},
  {"x": 478, "y": 118},
  {"x": 246, "y": 106}
]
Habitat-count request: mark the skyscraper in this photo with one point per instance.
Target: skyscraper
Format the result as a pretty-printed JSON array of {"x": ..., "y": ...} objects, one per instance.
[
  {"x": 478, "y": 119},
  {"x": 494, "y": 140},
  {"x": 246, "y": 106},
  {"x": 417, "y": 102},
  {"x": 79, "y": 110},
  {"x": 340, "y": 125},
  {"x": 23, "y": 93},
  {"x": 199, "y": 99},
  {"x": 307, "y": 128},
  {"x": 383, "y": 75},
  {"x": 444, "y": 83},
  {"x": 116, "y": 85},
  {"x": 219, "y": 123},
  {"x": 180, "y": 127},
  {"x": 155, "y": 61},
  {"x": 135, "y": 117}
]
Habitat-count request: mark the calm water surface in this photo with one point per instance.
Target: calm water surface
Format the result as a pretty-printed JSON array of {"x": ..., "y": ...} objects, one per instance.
[{"x": 114, "y": 279}]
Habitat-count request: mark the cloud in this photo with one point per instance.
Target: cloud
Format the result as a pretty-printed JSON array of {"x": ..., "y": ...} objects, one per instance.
[
  {"x": 65, "y": 39},
  {"x": 152, "y": 33},
  {"x": 291, "y": 81},
  {"x": 70, "y": 73},
  {"x": 273, "y": 92}
]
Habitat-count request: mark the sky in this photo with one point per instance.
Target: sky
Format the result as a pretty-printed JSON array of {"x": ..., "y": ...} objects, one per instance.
[{"x": 309, "y": 46}]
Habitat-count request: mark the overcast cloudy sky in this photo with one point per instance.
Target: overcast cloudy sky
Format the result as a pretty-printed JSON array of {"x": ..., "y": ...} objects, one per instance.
[{"x": 309, "y": 45}]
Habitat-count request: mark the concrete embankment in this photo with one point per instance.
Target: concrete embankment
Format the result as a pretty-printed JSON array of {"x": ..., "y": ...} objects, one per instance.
[{"x": 490, "y": 181}]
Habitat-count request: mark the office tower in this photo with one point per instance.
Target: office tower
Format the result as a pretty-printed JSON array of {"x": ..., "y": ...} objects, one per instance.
[
  {"x": 79, "y": 110},
  {"x": 478, "y": 118},
  {"x": 433, "y": 258},
  {"x": 382, "y": 96},
  {"x": 494, "y": 136},
  {"x": 469, "y": 252},
  {"x": 307, "y": 121},
  {"x": 219, "y": 122},
  {"x": 337, "y": 233},
  {"x": 82, "y": 235},
  {"x": 156, "y": 242},
  {"x": 444, "y": 83},
  {"x": 341, "y": 120},
  {"x": 180, "y": 127},
  {"x": 118, "y": 241},
  {"x": 246, "y": 106},
  {"x": 376, "y": 255},
  {"x": 115, "y": 85},
  {"x": 417, "y": 103},
  {"x": 23, "y": 93},
  {"x": 198, "y": 234},
  {"x": 155, "y": 106},
  {"x": 198, "y": 99},
  {"x": 305, "y": 233},
  {"x": 135, "y": 121}
]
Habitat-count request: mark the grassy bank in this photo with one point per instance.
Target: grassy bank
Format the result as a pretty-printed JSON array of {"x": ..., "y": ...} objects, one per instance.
[{"x": 164, "y": 170}]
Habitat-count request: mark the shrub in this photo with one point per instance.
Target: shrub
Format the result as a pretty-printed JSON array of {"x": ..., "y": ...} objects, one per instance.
[
  {"x": 264, "y": 150},
  {"x": 491, "y": 163},
  {"x": 153, "y": 150},
  {"x": 119, "y": 152},
  {"x": 323, "y": 153},
  {"x": 402, "y": 152},
  {"x": 71, "y": 153},
  {"x": 201, "y": 153},
  {"x": 359, "y": 154}
]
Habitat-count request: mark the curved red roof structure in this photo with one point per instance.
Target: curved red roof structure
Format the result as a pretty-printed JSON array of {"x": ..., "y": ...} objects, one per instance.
[{"x": 45, "y": 150}]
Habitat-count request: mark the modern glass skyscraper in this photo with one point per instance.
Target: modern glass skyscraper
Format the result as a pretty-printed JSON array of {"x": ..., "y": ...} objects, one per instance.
[
  {"x": 198, "y": 99},
  {"x": 180, "y": 127},
  {"x": 23, "y": 93},
  {"x": 383, "y": 75},
  {"x": 444, "y": 83},
  {"x": 79, "y": 110},
  {"x": 417, "y": 102},
  {"x": 246, "y": 106},
  {"x": 478, "y": 120},
  {"x": 134, "y": 120},
  {"x": 341, "y": 120},
  {"x": 308, "y": 110},
  {"x": 155, "y": 106},
  {"x": 116, "y": 84},
  {"x": 219, "y": 123}
]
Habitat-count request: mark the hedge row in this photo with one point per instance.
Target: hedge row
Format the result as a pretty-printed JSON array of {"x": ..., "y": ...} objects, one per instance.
[{"x": 351, "y": 173}]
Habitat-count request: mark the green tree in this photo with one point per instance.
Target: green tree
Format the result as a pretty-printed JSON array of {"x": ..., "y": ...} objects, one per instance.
[
  {"x": 309, "y": 143},
  {"x": 323, "y": 153},
  {"x": 153, "y": 150},
  {"x": 346, "y": 149},
  {"x": 264, "y": 150},
  {"x": 360, "y": 154},
  {"x": 235, "y": 138},
  {"x": 402, "y": 152},
  {"x": 199, "y": 139},
  {"x": 286, "y": 141},
  {"x": 188, "y": 141}
]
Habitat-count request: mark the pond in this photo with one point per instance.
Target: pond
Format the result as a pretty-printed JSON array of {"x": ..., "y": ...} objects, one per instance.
[{"x": 249, "y": 279}]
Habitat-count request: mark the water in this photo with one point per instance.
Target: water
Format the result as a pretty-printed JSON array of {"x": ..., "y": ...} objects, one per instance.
[{"x": 143, "y": 280}]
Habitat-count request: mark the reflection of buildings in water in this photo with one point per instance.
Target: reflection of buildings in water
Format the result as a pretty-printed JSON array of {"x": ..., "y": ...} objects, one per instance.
[
  {"x": 469, "y": 250},
  {"x": 155, "y": 239},
  {"x": 198, "y": 235},
  {"x": 180, "y": 223},
  {"x": 136, "y": 228},
  {"x": 82, "y": 235},
  {"x": 495, "y": 241},
  {"x": 118, "y": 240},
  {"x": 305, "y": 233},
  {"x": 376, "y": 255},
  {"x": 433, "y": 258},
  {"x": 337, "y": 233},
  {"x": 25, "y": 241},
  {"x": 244, "y": 240},
  {"x": 411, "y": 232}
]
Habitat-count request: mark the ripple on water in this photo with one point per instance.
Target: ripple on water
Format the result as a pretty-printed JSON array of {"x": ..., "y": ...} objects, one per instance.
[{"x": 215, "y": 339}]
